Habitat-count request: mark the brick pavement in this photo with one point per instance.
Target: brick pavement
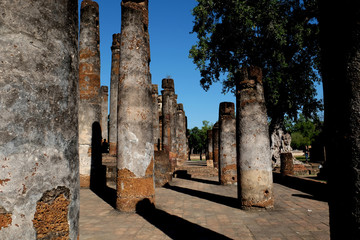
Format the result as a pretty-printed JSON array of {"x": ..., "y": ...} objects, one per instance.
[{"x": 201, "y": 209}]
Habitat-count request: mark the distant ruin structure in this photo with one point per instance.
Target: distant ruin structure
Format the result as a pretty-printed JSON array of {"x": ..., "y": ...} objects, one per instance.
[
  {"x": 104, "y": 95},
  {"x": 168, "y": 116},
  {"x": 181, "y": 139},
  {"x": 156, "y": 130},
  {"x": 89, "y": 87},
  {"x": 135, "y": 148},
  {"x": 39, "y": 177},
  {"x": 114, "y": 88},
  {"x": 215, "y": 137},
  {"x": 227, "y": 144},
  {"x": 255, "y": 186}
]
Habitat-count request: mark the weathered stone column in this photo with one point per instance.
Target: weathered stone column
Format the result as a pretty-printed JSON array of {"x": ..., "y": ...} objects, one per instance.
[
  {"x": 160, "y": 121},
  {"x": 39, "y": 173},
  {"x": 168, "y": 103},
  {"x": 174, "y": 143},
  {"x": 253, "y": 145},
  {"x": 114, "y": 88},
  {"x": 89, "y": 85},
  {"x": 215, "y": 137},
  {"x": 155, "y": 112},
  {"x": 210, "y": 145},
  {"x": 104, "y": 111},
  {"x": 135, "y": 161},
  {"x": 181, "y": 136},
  {"x": 227, "y": 144}
]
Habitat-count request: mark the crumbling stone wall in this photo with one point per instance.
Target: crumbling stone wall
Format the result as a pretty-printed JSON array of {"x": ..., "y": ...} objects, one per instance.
[
  {"x": 38, "y": 124},
  {"x": 253, "y": 145},
  {"x": 114, "y": 88},
  {"x": 89, "y": 87},
  {"x": 227, "y": 144},
  {"x": 135, "y": 159}
]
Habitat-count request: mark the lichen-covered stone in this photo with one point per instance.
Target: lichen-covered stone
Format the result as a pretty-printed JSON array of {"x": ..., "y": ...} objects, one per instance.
[
  {"x": 135, "y": 147},
  {"x": 253, "y": 145},
  {"x": 89, "y": 88},
  {"x": 227, "y": 144},
  {"x": 39, "y": 106}
]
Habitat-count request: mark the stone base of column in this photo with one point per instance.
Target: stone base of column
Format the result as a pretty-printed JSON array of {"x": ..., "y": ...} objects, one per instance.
[
  {"x": 172, "y": 159},
  {"x": 228, "y": 175},
  {"x": 255, "y": 190},
  {"x": 287, "y": 164},
  {"x": 162, "y": 171},
  {"x": 210, "y": 163},
  {"x": 112, "y": 148},
  {"x": 132, "y": 190},
  {"x": 84, "y": 181}
]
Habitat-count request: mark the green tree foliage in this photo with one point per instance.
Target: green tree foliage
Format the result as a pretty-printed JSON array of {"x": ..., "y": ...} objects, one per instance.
[
  {"x": 198, "y": 137},
  {"x": 280, "y": 36},
  {"x": 304, "y": 132}
]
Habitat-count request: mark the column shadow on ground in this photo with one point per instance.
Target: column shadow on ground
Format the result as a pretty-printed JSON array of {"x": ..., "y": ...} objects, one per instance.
[
  {"x": 224, "y": 200},
  {"x": 183, "y": 174},
  {"x": 174, "y": 226},
  {"x": 318, "y": 190},
  {"x": 107, "y": 194}
]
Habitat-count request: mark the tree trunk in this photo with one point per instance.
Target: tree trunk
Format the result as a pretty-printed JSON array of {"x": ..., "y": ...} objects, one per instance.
[{"x": 340, "y": 59}]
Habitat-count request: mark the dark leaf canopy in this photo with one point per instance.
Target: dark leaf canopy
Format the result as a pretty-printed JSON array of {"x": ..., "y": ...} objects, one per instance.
[{"x": 280, "y": 36}]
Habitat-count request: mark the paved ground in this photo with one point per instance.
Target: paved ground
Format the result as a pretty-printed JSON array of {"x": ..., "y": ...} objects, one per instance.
[{"x": 201, "y": 209}]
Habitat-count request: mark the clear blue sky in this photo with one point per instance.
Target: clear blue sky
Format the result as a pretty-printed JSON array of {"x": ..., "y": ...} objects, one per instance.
[{"x": 170, "y": 24}]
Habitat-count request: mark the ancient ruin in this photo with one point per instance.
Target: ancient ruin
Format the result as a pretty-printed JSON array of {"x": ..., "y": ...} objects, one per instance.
[
  {"x": 89, "y": 87},
  {"x": 168, "y": 117},
  {"x": 104, "y": 95},
  {"x": 215, "y": 141},
  {"x": 114, "y": 88},
  {"x": 227, "y": 144},
  {"x": 135, "y": 145},
  {"x": 253, "y": 145},
  {"x": 181, "y": 139},
  {"x": 156, "y": 127},
  {"x": 39, "y": 176}
]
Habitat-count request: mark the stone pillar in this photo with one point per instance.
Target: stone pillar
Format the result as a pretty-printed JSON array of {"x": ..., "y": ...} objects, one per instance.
[
  {"x": 227, "y": 144},
  {"x": 89, "y": 86},
  {"x": 287, "y": 164},
  {"x": 215, "y": 137},
  {"x": 104, "y": 112},
  {"x": 181, "y": 136},
  {"x": 253, "y": 145},
  {"x": 160, "y": 120},
  {"x": 114, "y": 88},
  {"x": 155, "y": 112},
  {"x": 210, "y": 145},
  {"x": 174, "y": 143},
  {"x": 168, "y": 98},
  {"x": 39, "y": 176},
  {"x": 135, "y": 160}
]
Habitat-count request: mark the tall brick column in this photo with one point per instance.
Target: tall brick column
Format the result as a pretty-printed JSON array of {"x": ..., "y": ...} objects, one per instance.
[
  {"x": 181, "y": 135},
  {"x": 39, "y": 176},
  {"x": 135, "y": 160},
  {"x": 160, "y": 120},
  {"x": 104, "y": 92},
  {"x": 227, "y": 144},
  {"x": 155, "y": 112},
  {"x": 169, "y": 111},
  {"x": 215, "y": 137},
  {"x": 253, "y": 144},
  {"x": 210, "y": 145},
  {"x": 89, "y": 86},
  {"x": 114, "y": 88}
]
